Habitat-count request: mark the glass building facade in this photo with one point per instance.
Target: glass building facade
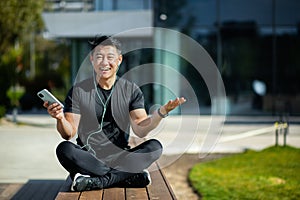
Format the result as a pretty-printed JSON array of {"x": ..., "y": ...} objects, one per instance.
[{"x": 254, "y": 44}]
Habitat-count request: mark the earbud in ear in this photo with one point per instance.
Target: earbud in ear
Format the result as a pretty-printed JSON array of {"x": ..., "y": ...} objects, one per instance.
[{"x": 119, "y": 63}]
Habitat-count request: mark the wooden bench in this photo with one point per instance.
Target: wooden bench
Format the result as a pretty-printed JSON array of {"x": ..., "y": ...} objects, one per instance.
[{"x": 159, "y": 189}]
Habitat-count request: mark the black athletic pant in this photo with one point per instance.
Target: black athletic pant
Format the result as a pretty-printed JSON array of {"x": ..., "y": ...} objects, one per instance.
[{"x": 135, "y": 160}]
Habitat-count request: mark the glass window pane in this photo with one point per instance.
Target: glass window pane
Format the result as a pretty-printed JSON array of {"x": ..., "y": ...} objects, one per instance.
[
  {"x": 287, "y": 12},
  {"x": 259, "y": 11},
  {"x": 132, "y": 4},
  {"x": 203, "y": 11},
  {"x": 107, "y": 5}
]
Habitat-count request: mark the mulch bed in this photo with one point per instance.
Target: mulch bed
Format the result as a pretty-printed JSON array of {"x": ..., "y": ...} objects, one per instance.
[{"x": 177, "y": 174}]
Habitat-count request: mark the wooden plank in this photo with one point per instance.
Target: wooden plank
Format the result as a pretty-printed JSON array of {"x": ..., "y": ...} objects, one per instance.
[
  {"x": 136, "y": 194},
  {"x": 8, "y": 190},
  {"x": 166, "y": 181},
  {"x": 114, "y": 193},
  {"x": 68, "y": 196},
  {"x": 159, "y": 189},
  {"x": 91, "y": 195}
]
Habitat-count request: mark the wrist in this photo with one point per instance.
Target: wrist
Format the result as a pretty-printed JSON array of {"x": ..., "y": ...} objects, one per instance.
[
  {"x": 59, "y": 118},
  {"x": 162, "y": 112}
]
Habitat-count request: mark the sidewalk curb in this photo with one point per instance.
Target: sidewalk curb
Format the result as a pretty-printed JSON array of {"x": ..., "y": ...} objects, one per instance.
[{"x": 40, "y": 120}]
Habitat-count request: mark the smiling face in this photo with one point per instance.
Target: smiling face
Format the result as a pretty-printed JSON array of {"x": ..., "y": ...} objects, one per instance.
[{"x": 105, "y": 60}]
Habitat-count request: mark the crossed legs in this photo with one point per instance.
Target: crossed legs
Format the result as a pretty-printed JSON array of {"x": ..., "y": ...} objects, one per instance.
[{"x": 76, "y": 160}]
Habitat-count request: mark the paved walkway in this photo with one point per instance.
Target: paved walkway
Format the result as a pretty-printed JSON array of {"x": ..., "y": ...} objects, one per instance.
[{"x": 28, "y": 149}]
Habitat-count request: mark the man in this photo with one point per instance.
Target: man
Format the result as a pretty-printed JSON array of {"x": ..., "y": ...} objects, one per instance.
[{"x": 101, "y": 110}]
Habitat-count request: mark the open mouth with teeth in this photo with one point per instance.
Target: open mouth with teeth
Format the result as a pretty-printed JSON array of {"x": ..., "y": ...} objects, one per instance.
[{"x": 105, "y": 69}]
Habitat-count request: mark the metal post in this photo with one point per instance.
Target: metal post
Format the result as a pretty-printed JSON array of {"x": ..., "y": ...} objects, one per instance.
[
  {"x": 218, "y": 103},
  {"x": 274, "y": 58},
  {"x": 285, "y": 133},
  {"x": 276, "y": 134},
  {"x": 32, "y": 54}
]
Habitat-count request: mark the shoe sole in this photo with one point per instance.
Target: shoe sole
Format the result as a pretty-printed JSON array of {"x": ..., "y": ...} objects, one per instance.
[{"x": 148, "y": 176}]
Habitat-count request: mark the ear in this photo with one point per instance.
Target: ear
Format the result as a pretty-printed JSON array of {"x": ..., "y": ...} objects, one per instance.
[
  {"x": 120, "y": 59},
  {"x": 91, "y": 59}
]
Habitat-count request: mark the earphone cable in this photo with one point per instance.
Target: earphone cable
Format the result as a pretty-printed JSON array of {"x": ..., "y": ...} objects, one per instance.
[{"x": 87, "y": 145}]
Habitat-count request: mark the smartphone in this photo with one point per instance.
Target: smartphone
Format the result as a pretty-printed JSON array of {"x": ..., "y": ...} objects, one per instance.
[{"x": 45, "y": 95}]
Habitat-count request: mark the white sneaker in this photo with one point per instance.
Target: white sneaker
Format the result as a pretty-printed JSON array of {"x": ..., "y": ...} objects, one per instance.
[{"x": 74, "y": 181}]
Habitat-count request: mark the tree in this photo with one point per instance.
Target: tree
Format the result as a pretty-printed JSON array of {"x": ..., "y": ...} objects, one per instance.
[{"x": 18, "y": 18}]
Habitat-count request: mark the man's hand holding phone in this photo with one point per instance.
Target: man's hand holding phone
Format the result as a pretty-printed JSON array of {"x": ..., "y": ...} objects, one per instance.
[
  {"x": 53, "y": 105},
  {"x": 55, "y": 110}
]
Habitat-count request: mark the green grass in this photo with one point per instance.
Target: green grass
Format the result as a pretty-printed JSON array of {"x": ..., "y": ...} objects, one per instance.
[{"x": 273, "y": 173}]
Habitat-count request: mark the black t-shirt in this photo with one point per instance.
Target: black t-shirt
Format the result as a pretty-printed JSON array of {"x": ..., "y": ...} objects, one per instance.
[{"x": 83, "y": 99}]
